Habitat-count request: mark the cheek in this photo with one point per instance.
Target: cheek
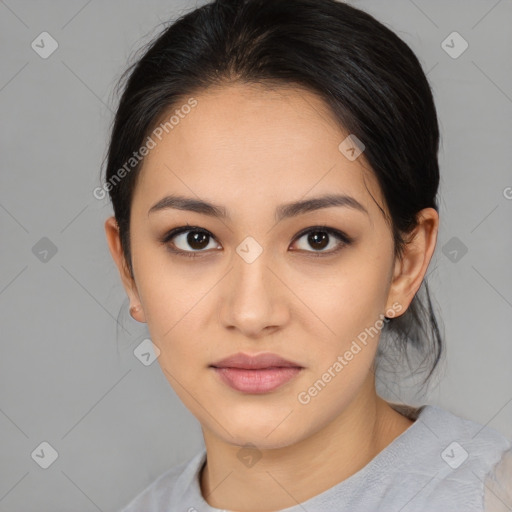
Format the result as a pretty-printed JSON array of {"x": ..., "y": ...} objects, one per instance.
[
  {"x": 167, "y": 288},
  {"x": 170, "y": 299},
  {"x": 347, "y": 299},
  {"x": 352, "y": 307}
]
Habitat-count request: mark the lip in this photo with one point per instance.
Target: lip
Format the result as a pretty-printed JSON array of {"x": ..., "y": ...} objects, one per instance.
[
  {"x": 255, "y": 362},
  {"x": 257, "y": 381},
  {"x": 256, "y": 374}
]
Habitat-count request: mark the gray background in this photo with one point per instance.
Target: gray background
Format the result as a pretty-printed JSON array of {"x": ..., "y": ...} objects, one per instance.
[{"x": 68, "y": 374}]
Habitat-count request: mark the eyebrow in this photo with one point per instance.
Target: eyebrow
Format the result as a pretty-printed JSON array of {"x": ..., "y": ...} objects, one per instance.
[{"x": 282, "y": 212}]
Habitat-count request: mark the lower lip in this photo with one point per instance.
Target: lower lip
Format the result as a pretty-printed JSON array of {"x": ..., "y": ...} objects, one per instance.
[{"x": 257, "y": 381}]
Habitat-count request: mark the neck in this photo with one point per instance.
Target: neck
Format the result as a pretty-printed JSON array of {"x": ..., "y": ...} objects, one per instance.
[{"x": 286, "y": 476}]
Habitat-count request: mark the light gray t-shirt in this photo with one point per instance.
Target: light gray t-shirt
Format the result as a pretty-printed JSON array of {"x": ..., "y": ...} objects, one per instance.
[{"x": 439, "y": 464}]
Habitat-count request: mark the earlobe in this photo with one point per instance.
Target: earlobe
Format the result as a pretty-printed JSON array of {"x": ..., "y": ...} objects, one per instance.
[
  {"x": 409, "y": 271},
  {"x": 116, "y": 251},
  {"x": 137, "y": 313}
]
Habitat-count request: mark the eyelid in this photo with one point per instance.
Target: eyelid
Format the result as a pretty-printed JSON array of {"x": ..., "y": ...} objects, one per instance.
[
  {"x": 322, "y": 227},
  {"x": 340, "y": 235},
  {"x": 343, "y": 239},
  {"x": 168, "y": 236}
]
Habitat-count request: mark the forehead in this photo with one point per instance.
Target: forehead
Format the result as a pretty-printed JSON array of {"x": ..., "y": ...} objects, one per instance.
[{"x": 250, "y": 145}]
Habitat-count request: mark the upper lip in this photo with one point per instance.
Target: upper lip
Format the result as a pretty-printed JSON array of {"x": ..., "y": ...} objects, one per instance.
[{"x": 254, "y": 362}]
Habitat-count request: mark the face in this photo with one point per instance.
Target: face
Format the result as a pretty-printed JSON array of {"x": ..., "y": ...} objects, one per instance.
[{"x": 311, "y": 285}]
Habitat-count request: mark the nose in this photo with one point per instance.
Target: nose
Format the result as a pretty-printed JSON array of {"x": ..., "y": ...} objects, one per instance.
[{"x": 254, "y": 298}]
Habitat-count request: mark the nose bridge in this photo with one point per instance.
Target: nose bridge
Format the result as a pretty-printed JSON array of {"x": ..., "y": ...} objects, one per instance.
[
  {"x": 251, "y": 263},
  {"x": 252, "y": 296},
  {"x": 250, "y": 277}
]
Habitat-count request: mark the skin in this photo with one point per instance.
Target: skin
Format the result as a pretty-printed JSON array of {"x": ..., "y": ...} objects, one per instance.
[{"x": 250, "y": 149}]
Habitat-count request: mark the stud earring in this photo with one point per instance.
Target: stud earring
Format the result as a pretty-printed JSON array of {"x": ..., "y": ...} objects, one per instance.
[{"x": 133, "y": 309}]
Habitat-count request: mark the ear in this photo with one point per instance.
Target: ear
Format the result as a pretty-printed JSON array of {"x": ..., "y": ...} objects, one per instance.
[
  {"x": 410, "y": 270},
  {"x": 114, "y": 245}
]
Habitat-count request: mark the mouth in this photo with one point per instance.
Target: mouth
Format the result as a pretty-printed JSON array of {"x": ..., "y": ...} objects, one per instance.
[{"x": 256, "y": 374}]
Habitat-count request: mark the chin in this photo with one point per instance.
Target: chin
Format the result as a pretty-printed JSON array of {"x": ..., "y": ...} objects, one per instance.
[
  {"x": 260, "y": 441},
  {"x": 265, "y": 435}
]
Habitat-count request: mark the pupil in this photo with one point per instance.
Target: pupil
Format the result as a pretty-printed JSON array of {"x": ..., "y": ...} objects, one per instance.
[
  {"x": 196, "y": 240},
  {"x": 318, "y": 239}
]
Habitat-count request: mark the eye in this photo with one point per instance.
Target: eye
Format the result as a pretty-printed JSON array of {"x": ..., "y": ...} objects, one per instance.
[
  {"x": 190, "y": 241},
  {"x": 320, "y": 237},
  {"x": 187, "y": 237}
]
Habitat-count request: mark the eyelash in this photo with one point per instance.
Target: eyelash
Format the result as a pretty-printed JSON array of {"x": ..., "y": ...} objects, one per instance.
[{"x": 344, "y": 239}]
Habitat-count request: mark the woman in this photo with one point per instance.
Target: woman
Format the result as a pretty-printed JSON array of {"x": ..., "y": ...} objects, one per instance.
[{"x": 273, "y": 172}]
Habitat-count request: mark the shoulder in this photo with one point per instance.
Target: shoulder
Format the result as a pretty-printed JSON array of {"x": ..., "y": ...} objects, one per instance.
[
  {"x": 470, "y": 441},
  {"x": 457, "y": 456},
  {"x": 498, "y": 485},
  {"x": 167, "y": 488}
]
